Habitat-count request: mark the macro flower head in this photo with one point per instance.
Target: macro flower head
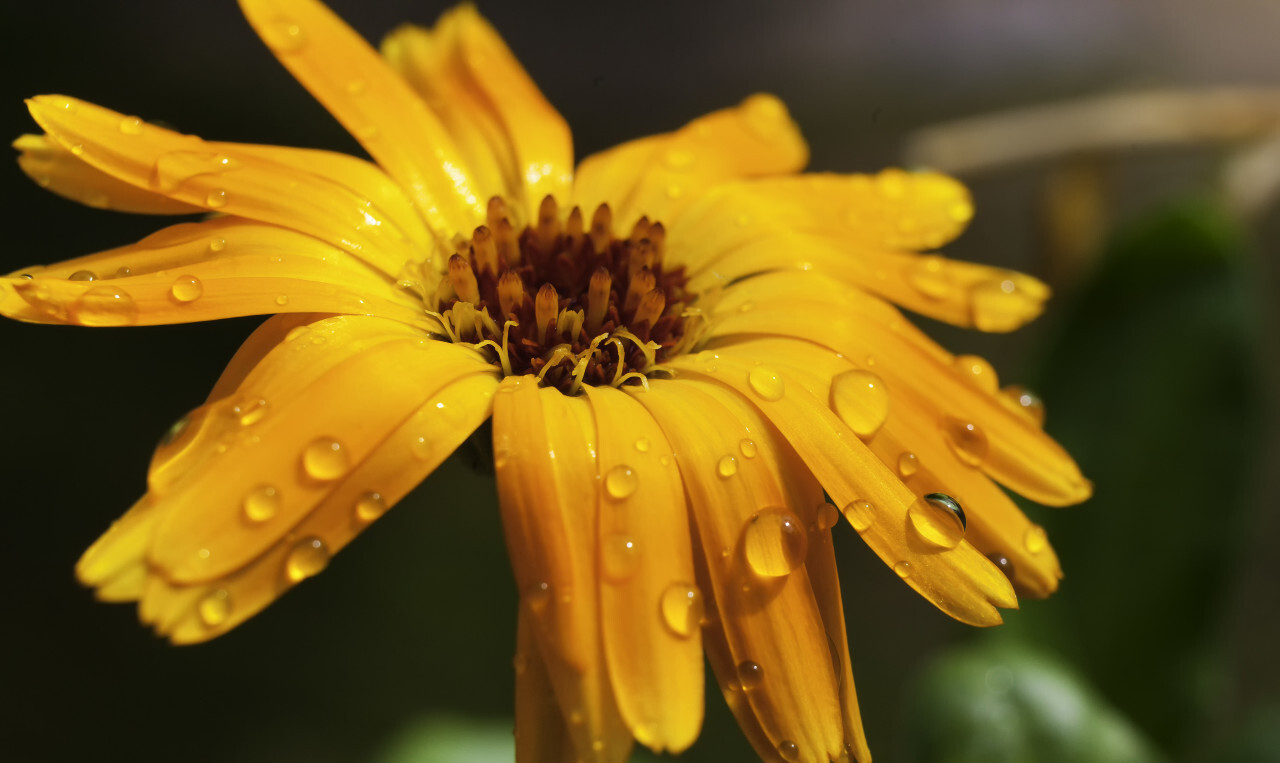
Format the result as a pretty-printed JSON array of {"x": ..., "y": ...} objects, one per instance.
[{"x": 690, "y": 354}]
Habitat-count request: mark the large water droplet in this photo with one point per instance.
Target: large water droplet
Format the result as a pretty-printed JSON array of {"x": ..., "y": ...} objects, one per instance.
[
  {"x": 1003, "y": 562},
  {"x": 620, "y": 482},
  {"x": 216, "y": 198},
  {"x": 124, "y": 271},
  {"x": 1035, "y": 539},
  {"x": 861, "y": 400},
  {"x": 938, "y": 519},
  {"x": 747, "y": 448},
  {"x": 261, "y": 503},
  {"x": 217, "y": 244},
  {"x": 308, "y": 557},
  {"x": 828, "y": 516},
  {"x": 775, "y": 542},
  {"x": 967, "y": 440},
  {"x": 186, "y": 288},
  {"x": 750, "y": 675},
  {"x": 682, "y": 608},
  {"x": 370, "y": 506},
  {"x": 902, "y": 569},
  {"x": 105, "y": 306},
  {"x": 788, "y": 751},
  {"x": 1023, "y": 400},
  {"x": 325, "y": 459},
  {"x": 860, "y": 514},
  {"x": 727, "y": 467},
  {"x": 766, "y": 383},
  {"x": 619, "y": 558},
  {"x": 908, "y": 464},
  {"x": 215, "y": 607},
  {"x": 976, "y": 370},
  {"x": 83, "y": 275}
]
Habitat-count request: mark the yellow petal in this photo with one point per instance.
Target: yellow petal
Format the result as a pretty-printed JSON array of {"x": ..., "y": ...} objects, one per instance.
[
  {"x": 813, "y": 308},
  {"x": 186, "y": 168},
  {"x": 733, "y": 465},
  {"x": 541, "y": 733},
  {"x": 376, "y": 106},
  {"x": 660, "y": 176},
  {"x": 959, "y": 581},
  {"x": 219, "y": 268},
  {"x": 54, "y": 167},
  {"x": 645, "y": 555},
  {"x": 489, "y": 104},
  {"x": 544, "y": 446}
]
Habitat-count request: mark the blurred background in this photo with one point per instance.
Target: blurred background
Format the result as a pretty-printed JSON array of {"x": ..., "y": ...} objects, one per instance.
[{"x": 1157, "y": 359}]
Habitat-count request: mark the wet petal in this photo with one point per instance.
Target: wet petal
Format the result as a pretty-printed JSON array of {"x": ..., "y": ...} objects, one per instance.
[
  {"x": 657, "y": 670},
  {"x": 660, "y": 176},
  {"x": 544, "y": 456},
  {"x": 219, "y": 268},
  {"x": 376, "y": 106},
  {"x": 491, "y": 108}
]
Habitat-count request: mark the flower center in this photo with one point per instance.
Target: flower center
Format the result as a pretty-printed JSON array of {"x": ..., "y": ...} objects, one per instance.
[{"x": 568, "y": 303}]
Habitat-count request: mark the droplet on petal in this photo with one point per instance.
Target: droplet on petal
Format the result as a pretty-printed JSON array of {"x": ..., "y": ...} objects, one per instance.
[
  {"x": 747, "y": 448},
  {"x": 727, "y": 467},
  {"x": 908, "y": 464},
  {"x": 131, "y": 126},
  {"x": 828, "y": 516},
  {"x": 105, "y": 306},
  {"x": 83, "y": 275},
  {"x": 186, "y": 288},
  {"x": 976, "y": 370},
  {"x": 966, "y": 439},
  {"x": 860, "y": 514},
  {"x": 620, "y": 482},
  {"x": 938, "y": 519},
  {"x": 775, "y": 542},
  {"x": 766, "y": 383},
  {"x": 216, "y": 198},
  {"x": 788, "y": 751},
  {"x": 750, "y": 675},
  {"x": 860, "y": 399},
  {"x": 619, "y": 558},
  {"x": 682, "y": 609},
  {"x": 309, "y": 557},
  {"x": 903, "y": 569},
  {"x": 1023, "y": 400},
  {"x": 1035, "y": 539},
  {"x": 261, "y": 503},
  {"x": 215, "y": 607},
  {"x": 325, "y": 459},
  {"x": 1003, "y": 562}
]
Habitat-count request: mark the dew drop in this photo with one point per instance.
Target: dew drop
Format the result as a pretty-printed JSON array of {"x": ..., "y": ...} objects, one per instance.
[
  {"x": 860, "y": 514},
  {"x": 967, "y": 440},
  {"x": 215, "y": 607},
  {"x": 217, "y": 244},
  {"x": 1003, "y": 562},
  {"x": 131, "y": 126},
  {"x": 902, "y": 569},
  {"x": 105, "y": 306},
  {"x": 1035, "y": 539},
  {"x": 682, "y": 608},
  {"x": 788, "y": 751},
  {"x": 250, "y": 411},
  {"x": 860, "y": 399},
  {"x": 186, "y": 288},
  {"x": 216, "y": 198},
  {"x": 999, "y": 305},
  {"x": 370, "y": 506},
  {"x": 766, "y": 383},
  {"x": 325, "y": 459},
  {"x": 309, "y": 557},
  {"x": 620, "y": 482},
  {"x": 124, "y": 271},
  {"x": 619, "y": 558},
  {"x": 938, "y": 519},
  {"x": 828, "y": 516},
  {"x": 908, "y": 464},
  {"x": 538, "y": 596},
  {"x": 642, "y": 445},
  {"x": 727, "y": 467},
  {"x": 284, "y": 35},
  {"x": 78, "y": 149},
  {"x": 261, "y": 503},
  {"x": 977, "y": 371},
  {"x": 750, "y": 675},
  {"x": 747, "y": 448},
  {"x": 1024, "y": 400},
  {"x": 83, "y": 275},
  {"x": 282, "y": 300},
  {"x": 775, "y": 542}
]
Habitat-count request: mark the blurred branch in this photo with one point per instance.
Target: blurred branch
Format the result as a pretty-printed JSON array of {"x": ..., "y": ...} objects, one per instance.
[{"x": 1104, "y": 123}]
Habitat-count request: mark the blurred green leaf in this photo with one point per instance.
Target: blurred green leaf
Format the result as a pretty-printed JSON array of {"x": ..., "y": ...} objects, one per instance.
[
  {"x": 1001, "y": 702},
  {"x": 1153, "y": 387}
]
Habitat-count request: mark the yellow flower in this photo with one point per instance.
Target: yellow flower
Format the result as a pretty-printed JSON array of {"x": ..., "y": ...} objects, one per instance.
[{"x": 676, "y": 368}]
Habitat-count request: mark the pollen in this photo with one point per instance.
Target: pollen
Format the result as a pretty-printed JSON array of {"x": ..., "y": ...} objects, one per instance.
[{"x": 570, "y": 303}]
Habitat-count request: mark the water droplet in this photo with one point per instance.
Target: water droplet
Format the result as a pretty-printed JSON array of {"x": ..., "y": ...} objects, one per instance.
[
  {"x": 78, "y": 149},
  {"x": 860, "y": 399},
  {"x": 902, "y": 569},
  {"x": 124, "y": 271},
  {"x": 309, "y": 557},
  {"x": 619, "y": 558},
  {"x": 215, "y": 607},
  {"x": 620, "y": 482},
  {"x": 682, "y": 608},
  {"x": 976, "y": 370},
  {"x": 929, "y": 277},
  {"x": 1024, "y": 400},
  {"x": 538, "y": 596},
  {"x": 938, "y": 519},
  {"x": 908, "y": 464},
  {"x": 131, "y": 126},
  {"x": 261, "y": 503},
  {"x": 325, "y": 459},
  {"x": 727, "y": 467},
  {"x": 217, "y": 244},
  {"x": 642, "y": 445},
  {"x": 766, "y": 383},
  {"x": 788, "y": 751},
  {"x": 216, "y": 198},
  {"x": 967, "y": 440},
  {"x": 250, "y": 411},
  {"x": 186, "y": 288},
  {"x": 999, "y": 305},
  {"x": 370, "y": 506},
  {"x": 828, "y": 516},
  {"x": 83, "y": 275},
  {"x": 1035, "y": 539},
  {"x": 747, "y": 448},
  {"x": 284, "y": 35},
  {"x": 860, "y": 514},
  {"x": 105, "y": 306},
  {"x": 1003, "y": 562},
  {"x": 750, "y": 675},
  {"x": 775, "y": 542},
  {"x": 282, "y": 300}
]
